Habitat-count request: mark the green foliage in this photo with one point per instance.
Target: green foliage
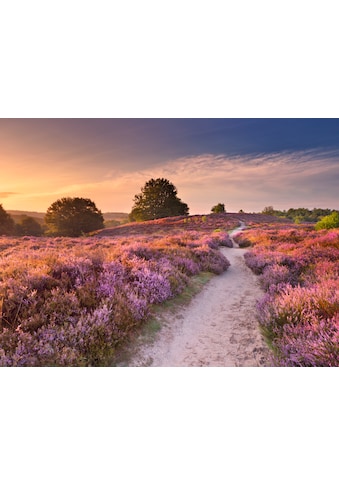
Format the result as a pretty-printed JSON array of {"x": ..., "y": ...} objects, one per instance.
[
  {"x": 73, "y": 217},
  {"x": 7, "y": 226},
  {"x": 302, "y": 214},
  {"x": 218, "y": 209},
  {"x": 158, "y": 199},
  {"x": 28, "y": 226},
  {"x": 328, "y": 222}
]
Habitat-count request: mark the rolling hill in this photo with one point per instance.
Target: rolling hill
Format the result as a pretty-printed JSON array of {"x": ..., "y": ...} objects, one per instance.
[{"x": 111, "y": 218}]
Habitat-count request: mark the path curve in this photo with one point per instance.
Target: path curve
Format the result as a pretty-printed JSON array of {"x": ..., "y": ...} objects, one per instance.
[{"x": 218, "y": 328}]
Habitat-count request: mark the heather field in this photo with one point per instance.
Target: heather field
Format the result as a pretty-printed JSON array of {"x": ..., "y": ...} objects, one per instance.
[
  {"x": 75, "y": 301},
  {"x": 71, "y": 302},
  {"x": 299, "y": 270}
]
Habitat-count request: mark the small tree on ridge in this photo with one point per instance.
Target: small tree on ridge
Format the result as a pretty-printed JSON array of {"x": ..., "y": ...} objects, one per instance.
[{"x": 218, "y": 209}]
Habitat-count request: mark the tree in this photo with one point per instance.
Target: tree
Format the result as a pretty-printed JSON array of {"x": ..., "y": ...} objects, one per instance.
[
  {"x": 28, "y": 226},
  {"x": 218, "y": 209},
  {"x": 7, "y": 225},
  {"x": 73, "y": 217},
  {"x": 328, "y": 222},
  {"x": 269, "y": 211},
  {"x": 158, "y": 198}
]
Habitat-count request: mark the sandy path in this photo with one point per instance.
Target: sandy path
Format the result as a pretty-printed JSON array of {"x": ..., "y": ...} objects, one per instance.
[{"x": 218, "y": 328}]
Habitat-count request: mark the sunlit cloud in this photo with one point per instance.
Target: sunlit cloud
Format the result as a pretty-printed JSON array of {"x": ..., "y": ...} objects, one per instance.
[
  {"x": 4, "y": 195},
  {"x": 306, "y": 178}
]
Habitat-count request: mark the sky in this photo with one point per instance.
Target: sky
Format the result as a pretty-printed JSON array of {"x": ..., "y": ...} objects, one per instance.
[{"x": 244, "y": 163}]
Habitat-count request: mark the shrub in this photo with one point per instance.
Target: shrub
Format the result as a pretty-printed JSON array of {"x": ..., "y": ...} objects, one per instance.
[
  {"x": 299, "y": 313},
  {"x": 328, "y": 222},
  {"x": 70, "y": 302}
]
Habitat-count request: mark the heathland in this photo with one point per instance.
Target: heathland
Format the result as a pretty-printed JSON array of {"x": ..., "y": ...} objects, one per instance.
[{"x": 77, "y": 301}]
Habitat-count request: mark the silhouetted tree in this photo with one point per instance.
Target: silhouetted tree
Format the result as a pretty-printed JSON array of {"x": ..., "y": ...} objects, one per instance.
[
  {"x": 28, "y": 226},
  {"x": 73, "y": 217},
  {"x": 269, "y": 211},
  {"x": 158, "y": 198},
  {"x": 7, "y": 225},
  {"x": 218, "y": 209}
]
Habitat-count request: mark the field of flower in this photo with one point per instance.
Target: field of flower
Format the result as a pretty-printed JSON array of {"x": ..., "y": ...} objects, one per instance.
[
  {"x": 70, "y": 302},
  {"x": 299, "y": 270},
  {"x": 202, "y": 223}
]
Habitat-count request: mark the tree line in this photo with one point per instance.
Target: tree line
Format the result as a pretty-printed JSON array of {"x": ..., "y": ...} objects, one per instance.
[
  {"x": 76, "y": 216},
  {"x": 299, "y": 215}
]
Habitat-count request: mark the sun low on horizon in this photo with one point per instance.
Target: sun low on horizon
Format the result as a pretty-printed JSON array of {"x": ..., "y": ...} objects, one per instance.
[{"x": 244, "y": 163}]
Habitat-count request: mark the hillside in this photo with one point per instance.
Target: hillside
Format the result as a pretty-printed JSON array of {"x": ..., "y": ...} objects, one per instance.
[
  {"x": 205, "y": 223},
  {"x": 17, "y": 215}
]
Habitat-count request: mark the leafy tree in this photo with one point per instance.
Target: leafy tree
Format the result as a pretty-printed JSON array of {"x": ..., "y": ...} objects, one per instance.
[
  {"x": 158, "y": 198},
  {"x": 73, "y": 216},
  {"x": 28, "y": 226},
  {"x": 269, "y": 211},
  {"x": 7, "y": 225},
  {"x": 328, "y": 222},
  {"x": 218, "y": 209}
]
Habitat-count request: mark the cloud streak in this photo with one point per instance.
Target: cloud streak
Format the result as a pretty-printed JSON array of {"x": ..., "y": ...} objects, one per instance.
[
  {"x": 250, "y": 182},
  {"x": 4, "y": 195},
  {"x": 288, "y": 178}
]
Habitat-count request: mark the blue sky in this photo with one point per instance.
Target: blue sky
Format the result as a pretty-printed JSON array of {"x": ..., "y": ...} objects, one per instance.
[{"x": 243, "y": 163}]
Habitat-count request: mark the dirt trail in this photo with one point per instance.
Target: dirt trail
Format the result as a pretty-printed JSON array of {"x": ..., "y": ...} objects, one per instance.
[{"x": 218, "y": 328}]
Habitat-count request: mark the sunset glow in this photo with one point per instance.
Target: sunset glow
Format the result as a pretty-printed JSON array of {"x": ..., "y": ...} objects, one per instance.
[{"x": 244, "y": 163}]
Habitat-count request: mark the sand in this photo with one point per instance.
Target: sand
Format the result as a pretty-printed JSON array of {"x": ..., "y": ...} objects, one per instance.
[{"x": 217, "y": 329}]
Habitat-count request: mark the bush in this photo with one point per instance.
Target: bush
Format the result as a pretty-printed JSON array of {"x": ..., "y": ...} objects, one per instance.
[
  {"x": 299, "y": 315},
  {"x": 328, "y": 222},
  {"x": 29, "y": 227}
]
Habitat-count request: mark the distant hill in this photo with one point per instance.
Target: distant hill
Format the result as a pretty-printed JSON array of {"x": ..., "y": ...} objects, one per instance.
[
  {"x": 111, "y": 218},
  {"x": 115, "y": 216},
  {"x": 17, "y": 215},
  {"x": 178, "y": 224},
  {"x": 38, "y": 215}
]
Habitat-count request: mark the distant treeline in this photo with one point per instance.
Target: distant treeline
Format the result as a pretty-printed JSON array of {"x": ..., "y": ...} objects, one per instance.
[
  {"x": 19, "y": 223},
  {"x": 300, "y": 215}
]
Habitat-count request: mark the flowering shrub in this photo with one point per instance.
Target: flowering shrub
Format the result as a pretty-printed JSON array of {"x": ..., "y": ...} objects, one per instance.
[
  {"x": 69, "y": 302},
  {"x": 299, "y": 315}
]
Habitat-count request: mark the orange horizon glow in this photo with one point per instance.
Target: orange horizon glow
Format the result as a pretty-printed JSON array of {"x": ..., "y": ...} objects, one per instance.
[{"x": 42, "y": 164}]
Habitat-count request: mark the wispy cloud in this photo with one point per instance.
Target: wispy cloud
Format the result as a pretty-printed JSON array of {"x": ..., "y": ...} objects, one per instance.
[
  {"x": 4, "y": 195},
  {"x": 288, "y": 178},
  {"x": 302, "y": 178}
]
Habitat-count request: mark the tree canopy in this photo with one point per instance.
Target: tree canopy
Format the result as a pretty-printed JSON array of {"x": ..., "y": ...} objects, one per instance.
[
  {"x": 28, "y": 226},
  {"x": 299, "y": 215},
  {"x": 268, "y": 211},
  {"x": 218, "y": 209},
  {"x": 158, "y": 199},
  {"x": 7, "y": 225},
  {"x": 73, "y": 216}
]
